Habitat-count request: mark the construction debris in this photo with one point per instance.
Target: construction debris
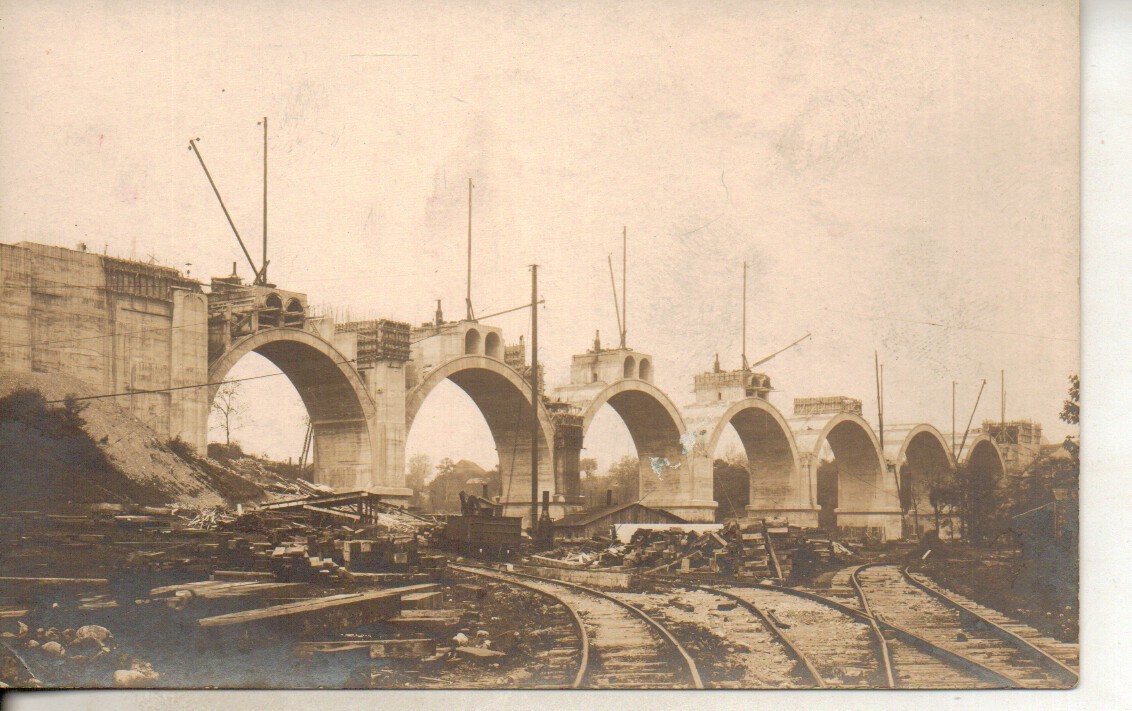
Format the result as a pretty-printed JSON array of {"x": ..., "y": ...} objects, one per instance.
[{"x": 759, "y": 550}]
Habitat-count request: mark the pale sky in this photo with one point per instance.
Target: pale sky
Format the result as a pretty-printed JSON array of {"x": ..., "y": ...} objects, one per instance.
[{"x": 901, "y": 176}]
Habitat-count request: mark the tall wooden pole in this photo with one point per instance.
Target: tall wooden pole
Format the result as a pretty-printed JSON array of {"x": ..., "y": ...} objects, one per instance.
[
  {"x": 263, "y": 271},
  {"x": 471, "y": 314},
  {"x": 616, "y": 306},
  {"x": 624, "y": 285},
  {"x": 953, "y": 452},
  {"x": 1002, "y": 421},
  {"x": 745, "y": 316},
  {"x": 534, "y": 401}
]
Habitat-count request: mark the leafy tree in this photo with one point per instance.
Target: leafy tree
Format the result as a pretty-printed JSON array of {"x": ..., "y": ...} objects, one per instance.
[
  {"x": 419, "y": 468},
  {"x": 587, "y": 466},
  {"x": 731, "y": 486},
  {"x": 623, "y": 479}
]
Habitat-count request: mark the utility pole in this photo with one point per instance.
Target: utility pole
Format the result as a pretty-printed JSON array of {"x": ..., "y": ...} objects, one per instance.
[
  {"x": 624, "y": 285},
  {"x": 534, "y": 402},
  {"x": 471, "y": 314},
  {"x": 745, "y": 367}
]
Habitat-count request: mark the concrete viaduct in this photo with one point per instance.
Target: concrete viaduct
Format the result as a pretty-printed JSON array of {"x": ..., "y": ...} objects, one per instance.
[{"x": 124, "y": 326}]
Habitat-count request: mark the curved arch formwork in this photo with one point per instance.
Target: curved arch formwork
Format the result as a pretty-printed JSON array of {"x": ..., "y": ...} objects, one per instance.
[
  {"x": 340, "y": 407},
  {"x": 779, "y": 487},
  {"x": 867, "y": 502},
  {"x": 982, "y": 470},
  {"x": 658, "y": 430},
  {"x": 923, "y": 459},
  {"x": 503, "y": 397}
]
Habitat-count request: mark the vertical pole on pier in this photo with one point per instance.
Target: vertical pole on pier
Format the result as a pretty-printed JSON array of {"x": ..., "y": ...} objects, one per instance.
[
  {"x": 953, "y": 452},
  {"x": 1002, "y": 421},
  {"x": 745, "y": 316},
  {"x": 263, "y": 272},
  {"x": 624, "y": 285},
  {"x": 471, "y": 314},
  {"x": 534, "y": 402}
]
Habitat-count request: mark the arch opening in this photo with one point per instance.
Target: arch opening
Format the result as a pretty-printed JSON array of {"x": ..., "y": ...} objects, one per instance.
[
  {"x": 294, "y": 316},
  {"x": 645, "y": 370},
  {"x": 332, "y": 393},
  {"x": 261, "y": 414},
  {"x": 771, "y": 455},
  {"x": 472, "y": 342},
  {"x": 630, "y": 368},
  {"x": 655, "y": 428},
  {"x": 271, "y": 314},
  {"x": 450, "y": 439},
  {"x": 503, "y": 398},
  {"x": 609, "y": 468},
  {"x": 926, "y": 480},
  {"x": 850, "y": 474},
  {"x": 493, "y": 346},
  {"x": 982, "y": 475}
]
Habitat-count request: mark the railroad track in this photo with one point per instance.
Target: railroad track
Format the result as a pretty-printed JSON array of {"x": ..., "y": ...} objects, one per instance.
[
  {"x": 622, "y": 646},
  {"x": 892, "y": 596},
  {"x": 738, "y": 644},
  {"x": 850, "y": 648}
]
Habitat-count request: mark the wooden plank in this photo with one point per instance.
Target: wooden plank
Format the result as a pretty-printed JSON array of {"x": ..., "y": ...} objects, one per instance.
[
  {"x": 402, "y": 648},
  {"x": 341, "y": 611},
  {"x": 243, "y": 575},
  {"x": 423, "y": 601},
  {"x": 11, "y": 581}
]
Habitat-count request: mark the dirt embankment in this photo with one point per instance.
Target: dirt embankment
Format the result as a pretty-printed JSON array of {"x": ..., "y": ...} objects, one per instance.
[{"x": 54, "y": 454}]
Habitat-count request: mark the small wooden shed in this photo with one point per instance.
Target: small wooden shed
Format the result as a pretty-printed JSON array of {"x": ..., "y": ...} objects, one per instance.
[{"x": 599, "y": 522}]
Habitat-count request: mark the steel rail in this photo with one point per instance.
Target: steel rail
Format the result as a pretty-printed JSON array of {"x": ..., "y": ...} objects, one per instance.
[
  {"x": 954, "y": 655},
  {"x": 949, "y": 655},
  {"x": 665, "y": 634},
  {"x": 791, "y": 647},
  {"x": 1025, "y": 645},
  {"x": 583, "y": 635}
]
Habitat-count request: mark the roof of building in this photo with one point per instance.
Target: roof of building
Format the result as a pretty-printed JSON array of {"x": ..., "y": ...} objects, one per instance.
[{"x": 584, "y": 518}]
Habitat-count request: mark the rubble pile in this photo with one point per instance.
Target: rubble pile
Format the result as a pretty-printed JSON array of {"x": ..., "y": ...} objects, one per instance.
[{"x": 755, "y": 550}]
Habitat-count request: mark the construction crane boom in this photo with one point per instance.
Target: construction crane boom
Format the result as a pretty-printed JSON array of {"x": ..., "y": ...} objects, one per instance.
[{"x": 781, "y": 350}]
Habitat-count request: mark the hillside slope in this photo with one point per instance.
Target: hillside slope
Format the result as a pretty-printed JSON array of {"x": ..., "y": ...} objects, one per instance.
[{"x": 95, "y": 452}]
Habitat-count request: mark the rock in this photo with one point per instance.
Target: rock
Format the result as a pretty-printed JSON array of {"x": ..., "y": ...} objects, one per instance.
[
  {"x": 52, "y": 635},
  {"x": 55, "y": 650},
  {"x": 140, "y": 676},
  {"x": 92, "y": 637},
  {"x": 960, "y": 637},
  {"x": 32, "y": 644},
  {"x": 460, "y": 639}
]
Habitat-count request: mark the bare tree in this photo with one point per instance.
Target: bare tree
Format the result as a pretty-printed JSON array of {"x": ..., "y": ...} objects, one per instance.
[{"x": 229, "y": 405}]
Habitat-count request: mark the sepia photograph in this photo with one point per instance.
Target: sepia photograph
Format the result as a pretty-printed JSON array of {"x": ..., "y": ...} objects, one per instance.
[{"x": 540, "y": 345}]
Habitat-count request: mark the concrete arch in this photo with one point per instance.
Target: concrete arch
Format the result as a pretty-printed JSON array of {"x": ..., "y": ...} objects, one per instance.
[
  {"x": 336, "y": 399},
  {"x": 983, "y": 469},
  {"x": 866, "y": 496},
  {"x": 925, "y": 463},
  {"x": 503, "y": 397},
  {"x": 776, "y": 484},
  {"x": 656, "y": 427}
]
